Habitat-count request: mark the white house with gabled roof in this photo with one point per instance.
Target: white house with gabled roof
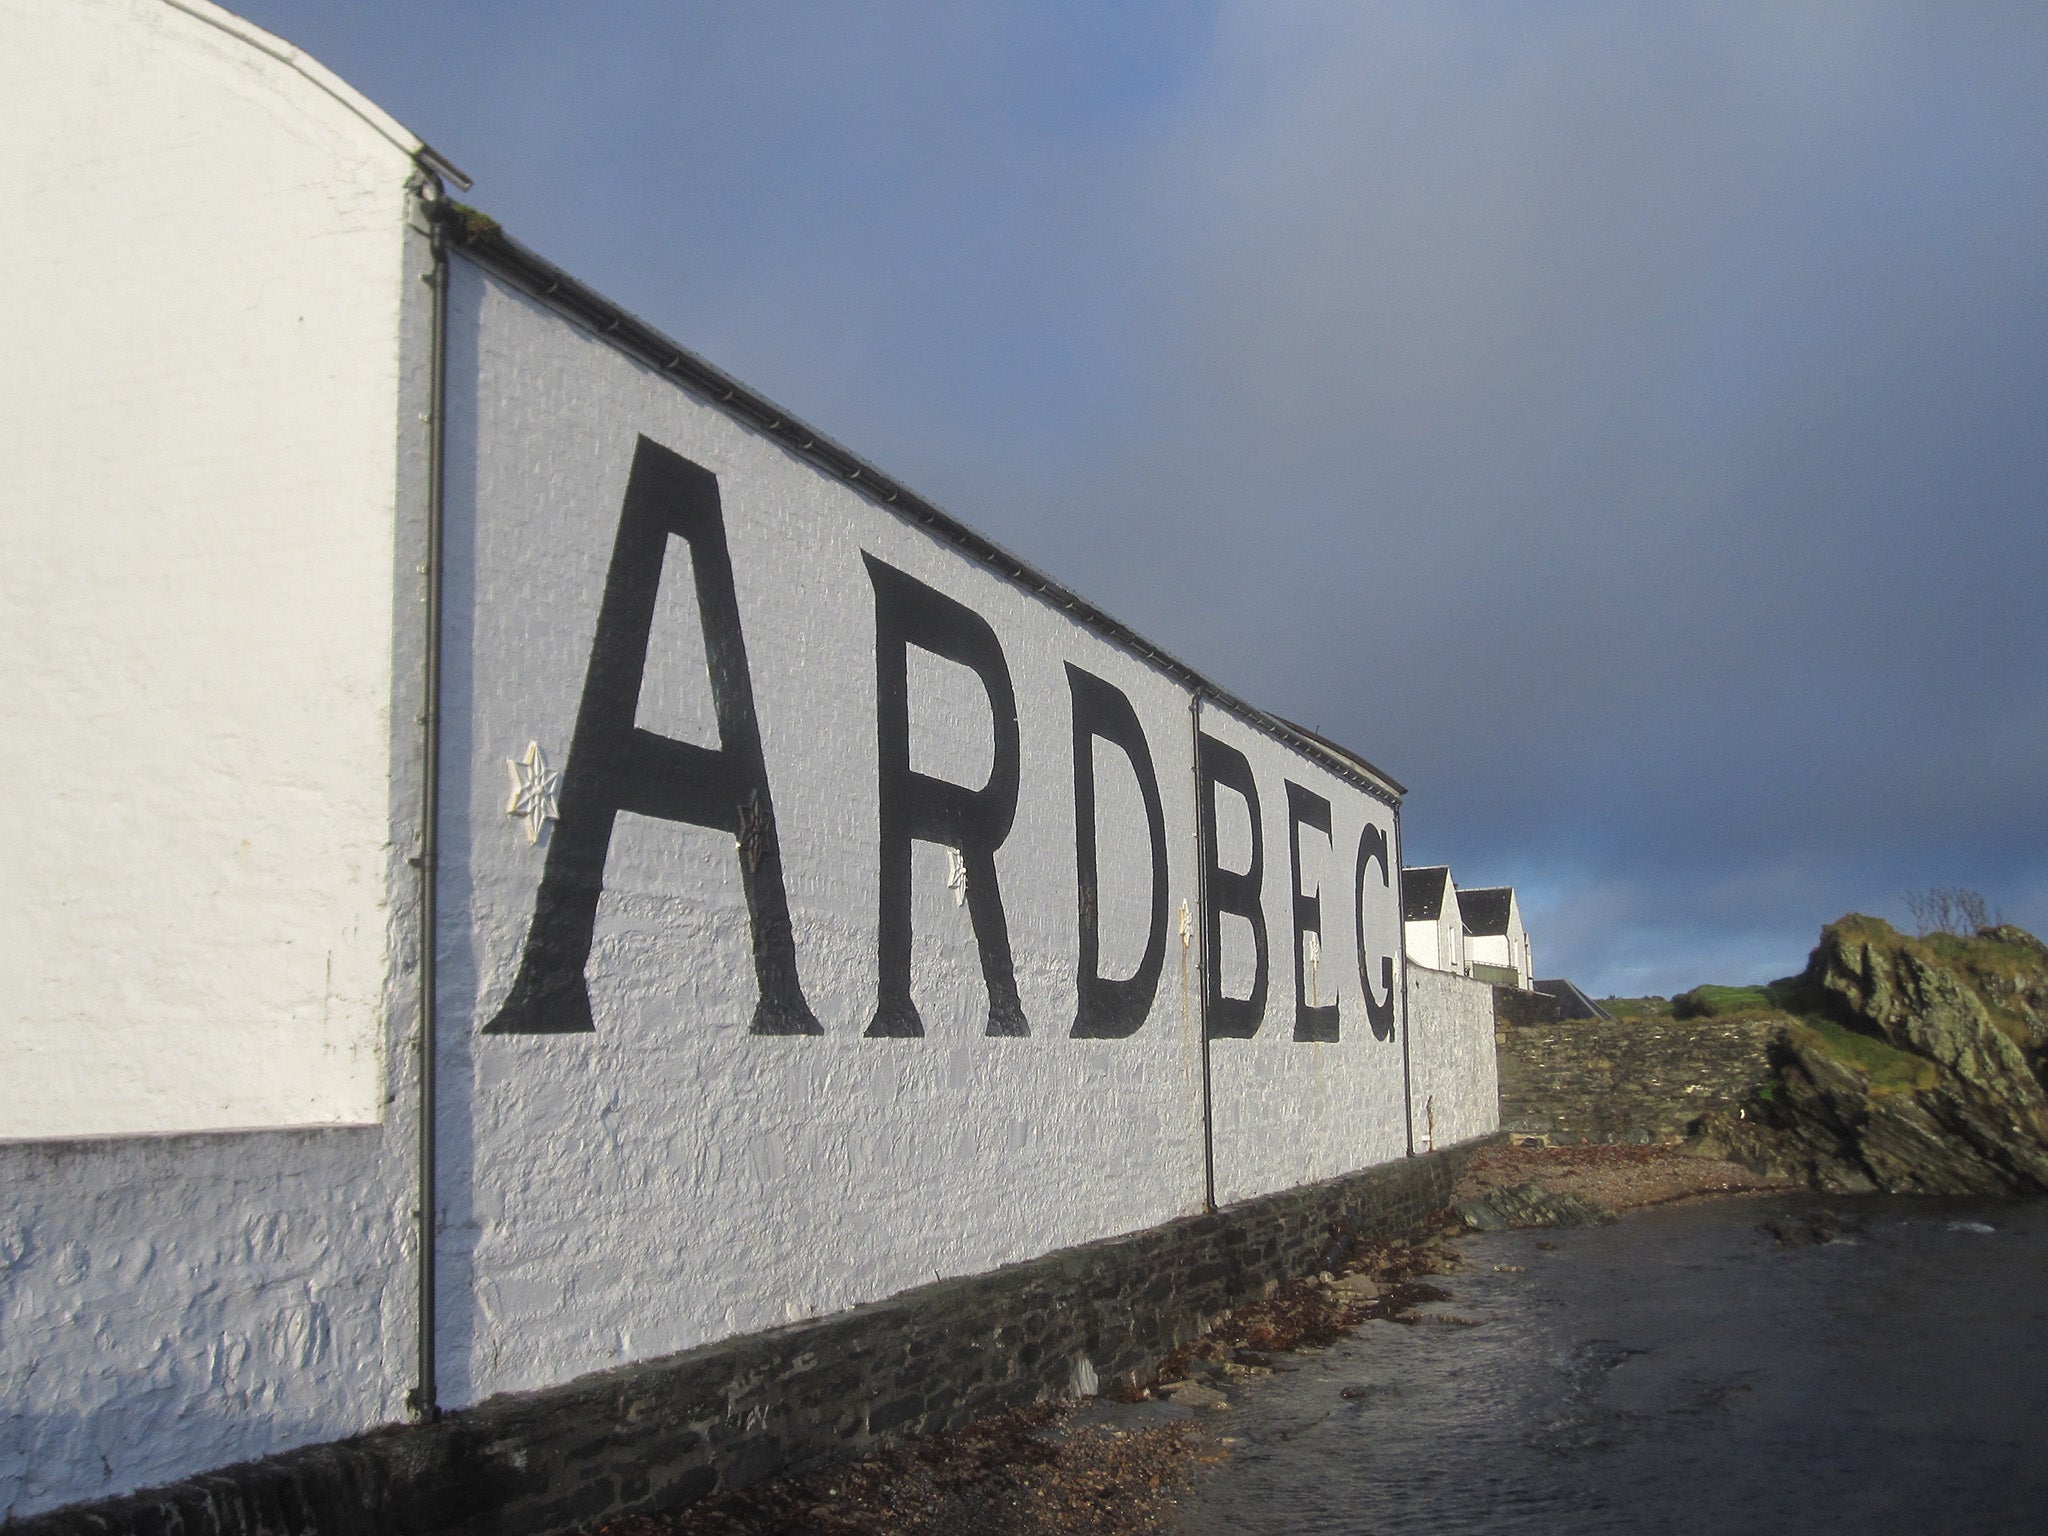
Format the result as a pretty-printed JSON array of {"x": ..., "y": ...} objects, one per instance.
[
  {"x": 1430, "y": 922},
  {"x": 1496, "y": 943}
]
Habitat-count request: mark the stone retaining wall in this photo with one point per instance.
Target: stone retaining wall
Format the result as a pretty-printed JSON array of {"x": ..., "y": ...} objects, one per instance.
[
  {"x": 1626, "y": 1080},
  {"x": 665, "y": 1433}
]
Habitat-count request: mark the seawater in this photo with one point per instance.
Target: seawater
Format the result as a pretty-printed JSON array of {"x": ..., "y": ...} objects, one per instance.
[{"x": 1681, "y": 1371}]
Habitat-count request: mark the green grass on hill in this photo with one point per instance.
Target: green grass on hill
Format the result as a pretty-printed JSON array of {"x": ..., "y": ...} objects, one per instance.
[
  {"x": 1889, "y": 1069},
  {"x": 1884, "y": 1066},
  {"x": 1636, "y": 1007},
  {"x": 1711, "y": 1002},
  {"x": 2002, "y": 966}
]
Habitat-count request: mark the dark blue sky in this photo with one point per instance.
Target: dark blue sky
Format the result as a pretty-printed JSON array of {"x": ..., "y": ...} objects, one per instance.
[{"x": 1627, "y": 424}]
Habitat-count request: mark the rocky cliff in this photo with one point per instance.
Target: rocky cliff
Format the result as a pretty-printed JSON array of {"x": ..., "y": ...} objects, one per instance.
[{"x": 1913, "y": 1066}]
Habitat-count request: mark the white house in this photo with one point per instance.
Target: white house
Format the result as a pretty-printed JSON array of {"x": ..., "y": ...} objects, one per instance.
[
  {"x": 1496, "y": 943},
  {"x": 1430, "y": 923}
]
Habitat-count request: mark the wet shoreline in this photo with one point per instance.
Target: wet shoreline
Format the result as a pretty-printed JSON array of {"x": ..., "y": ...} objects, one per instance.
[
  {"x": 1711, "y": 1361},
  {"x": 1683, "y": 1370}
]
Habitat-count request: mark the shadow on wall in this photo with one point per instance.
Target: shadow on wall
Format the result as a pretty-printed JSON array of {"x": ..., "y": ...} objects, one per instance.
[{"x": 33, "y": 1444}]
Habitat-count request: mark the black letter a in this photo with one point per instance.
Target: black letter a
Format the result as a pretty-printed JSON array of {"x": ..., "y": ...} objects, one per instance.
[{"x": 615, "y": 766}]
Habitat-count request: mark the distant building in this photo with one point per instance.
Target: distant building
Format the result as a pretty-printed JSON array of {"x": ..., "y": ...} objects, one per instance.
[
  {"x": 1430, "y": 921},
  {"x": 1496, "y": 943}
]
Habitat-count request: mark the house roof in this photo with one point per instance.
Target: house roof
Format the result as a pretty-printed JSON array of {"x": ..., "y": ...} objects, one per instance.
[
  {"x": 1485, "y": 910},
  {"x": 1422, "y": 893}
]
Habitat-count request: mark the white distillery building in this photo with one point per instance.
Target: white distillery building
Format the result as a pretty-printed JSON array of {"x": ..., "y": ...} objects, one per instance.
[
  {"x": 1432, "y": 928},
  {"x": 526, "y": 859},
  {"x": 1496, "y": 943},
  {"x": 1476, "y": 932}
]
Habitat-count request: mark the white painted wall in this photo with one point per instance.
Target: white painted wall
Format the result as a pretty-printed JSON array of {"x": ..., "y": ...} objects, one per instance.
[
  {"x": 671, "y": 1178},
  {"x": 1454, "y": 1075},
  {"x": 173, "y": 1304},
  {"x": 1286, "y": 1111},
  {"x": 210, "y": 534},
  {"x": 178, "y": 1304},
  {"x": 1439, "y": 942},
  {"x": 211, "y": 418},
  {"x": 201, "y": 252},
  {"x": 1489, "y": 949}
]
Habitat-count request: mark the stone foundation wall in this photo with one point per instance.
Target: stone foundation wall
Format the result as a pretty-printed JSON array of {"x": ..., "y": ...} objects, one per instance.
[
  {"x": 1626, "y": 1080},
  {"x": 665, "y": 1433}
]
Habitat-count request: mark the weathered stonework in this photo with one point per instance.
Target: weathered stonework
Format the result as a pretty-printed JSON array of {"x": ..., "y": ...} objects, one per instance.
[
  {"x": 1627, "y": 1080},
  {"x": 1514, "y": 1008},
  {"x": 667, "y": 1432}
]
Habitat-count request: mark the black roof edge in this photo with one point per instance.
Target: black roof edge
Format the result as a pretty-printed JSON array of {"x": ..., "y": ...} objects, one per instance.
[
  {"x": 1342, "y": 751},
  {"x": 481, "y": 239}
]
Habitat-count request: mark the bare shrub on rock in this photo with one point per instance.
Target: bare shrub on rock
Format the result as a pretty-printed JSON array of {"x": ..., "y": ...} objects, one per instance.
[{"x": 1952, "y": 909}]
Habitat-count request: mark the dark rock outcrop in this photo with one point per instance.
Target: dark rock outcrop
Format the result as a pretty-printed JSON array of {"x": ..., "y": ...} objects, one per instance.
[
  {"x": 1912, "y": 1066},
  {"x": 1530, "y": 1205},
  {"x": 1799, "y": 1229}
]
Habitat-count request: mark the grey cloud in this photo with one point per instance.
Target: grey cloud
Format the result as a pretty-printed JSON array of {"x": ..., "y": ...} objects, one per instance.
[{"x": 1624, "y": 423}]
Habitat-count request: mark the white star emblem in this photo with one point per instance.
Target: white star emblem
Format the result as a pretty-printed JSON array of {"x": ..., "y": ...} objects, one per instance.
[{"x": 536, "y": 791}]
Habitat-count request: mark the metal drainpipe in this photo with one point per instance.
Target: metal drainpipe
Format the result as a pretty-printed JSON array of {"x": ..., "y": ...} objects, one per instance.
[
  {"x": 1203, "y": 963},
  {"x": 1407, "y": 999},
  {"x": 425, "y": 1398}
]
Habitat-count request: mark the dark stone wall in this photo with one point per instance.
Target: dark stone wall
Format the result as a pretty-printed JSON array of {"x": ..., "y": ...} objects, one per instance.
[
  {"x": 1626, "y": 1080},
  {"x": 1514, "y": 1008},
  {"x": 665, "y": 1433}
]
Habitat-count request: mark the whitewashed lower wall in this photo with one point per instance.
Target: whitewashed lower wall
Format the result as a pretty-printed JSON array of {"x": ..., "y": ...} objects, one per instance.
[
  {"x": 1454, "y": 1082},
  {"x": 177, "y": 1304}
]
